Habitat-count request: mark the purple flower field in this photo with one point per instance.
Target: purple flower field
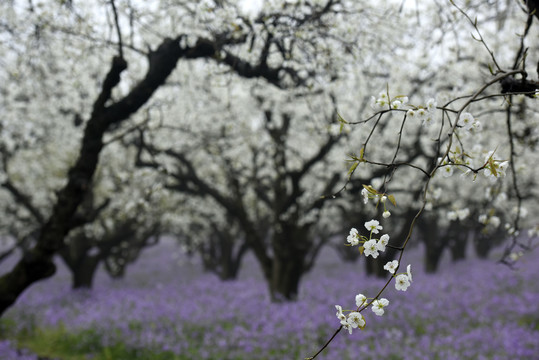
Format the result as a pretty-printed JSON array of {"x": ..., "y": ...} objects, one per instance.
[{"x": 474, "y": 309}]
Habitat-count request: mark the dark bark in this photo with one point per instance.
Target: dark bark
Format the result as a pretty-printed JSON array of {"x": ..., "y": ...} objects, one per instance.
[
  {"x": 482, "y": 246},
  {"x": 22, "y": 199},
  {"x": 124, "y": 244},
  {"x": 485, "y": 241},
  {"x": 347, "y": 253},
  {"x": 457, "y": 246},
  {"x": 84, "y": 272},
  {"x": 520, "y": 86},
  {"x": 81, "y": 264},
  {"x": 533, "y": 7},
  {"x": 223, "y": 253},
  {"x": 458, "y": 240},
  {"x": 433, "y": 255},
  {"x": 289, "y": 254},
  {"x": 285, "y": 278},
  {"x": 292, "y": 250},
  {"x": 37, "y": 264},
  {"x": 434, "y": 241},
  {"x": 290, "y": 247}
]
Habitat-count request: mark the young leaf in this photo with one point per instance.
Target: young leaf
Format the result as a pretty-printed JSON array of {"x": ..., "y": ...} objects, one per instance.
[
  {"x": 352, "y": 169},
  {"x": 361, "y": 154},
  {"x": 340, "y": 119},
  {"x": 370, "y": 189},
  {"x": 492, "y": 167}
]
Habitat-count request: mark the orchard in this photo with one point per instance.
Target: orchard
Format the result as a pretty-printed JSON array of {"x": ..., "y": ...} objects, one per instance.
[{"x": 272, "y": 162}]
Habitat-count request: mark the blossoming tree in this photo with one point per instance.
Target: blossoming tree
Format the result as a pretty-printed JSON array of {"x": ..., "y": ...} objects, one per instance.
[
  {"x": 252, "y": 113},
  {"x": 464, "y": 151},
  {"x": 92, "y": 34}
]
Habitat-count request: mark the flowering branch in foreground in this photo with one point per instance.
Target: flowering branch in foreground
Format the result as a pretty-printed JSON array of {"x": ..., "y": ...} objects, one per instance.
[{"x": 463, "y": 126}]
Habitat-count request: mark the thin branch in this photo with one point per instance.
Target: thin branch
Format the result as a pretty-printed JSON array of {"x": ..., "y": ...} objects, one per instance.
[
  {"x": 481, "y": 40},
  {"x": 516, "y": 188},
  {"x": 117, "y": 23}
]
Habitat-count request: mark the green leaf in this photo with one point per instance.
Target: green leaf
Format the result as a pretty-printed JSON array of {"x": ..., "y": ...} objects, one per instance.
[
  {"x": 370, "y": 189},
  {"x": 392, "y": 199},
  {"x": 352, "y": 169},
  {"x": 342, "y": 122},
  {"x": 340, "y": 119},
  {"x": 492, "y": 167}
]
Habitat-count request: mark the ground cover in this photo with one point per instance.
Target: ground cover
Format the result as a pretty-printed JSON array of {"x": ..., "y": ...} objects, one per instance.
[{"x": 166, "y": 309}]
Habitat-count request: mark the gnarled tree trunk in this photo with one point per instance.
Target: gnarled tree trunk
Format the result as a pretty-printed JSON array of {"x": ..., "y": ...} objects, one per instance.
[
  {"x": 290, "y": 251},
  {"x": 37, "y": 264},
  {"x": 84, "y": 272}
]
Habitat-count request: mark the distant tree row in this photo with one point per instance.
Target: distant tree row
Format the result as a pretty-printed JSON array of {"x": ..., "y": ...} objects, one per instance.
[{"x": 235, "y": 130}]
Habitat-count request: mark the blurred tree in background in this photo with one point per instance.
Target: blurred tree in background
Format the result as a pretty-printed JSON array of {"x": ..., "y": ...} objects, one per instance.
[{"x": 228, "y": 126}]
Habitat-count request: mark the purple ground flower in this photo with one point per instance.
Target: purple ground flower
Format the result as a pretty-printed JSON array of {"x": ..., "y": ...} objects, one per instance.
[
  {"x": 474, "y": 309},
  {"x": 8, "y": 350}
]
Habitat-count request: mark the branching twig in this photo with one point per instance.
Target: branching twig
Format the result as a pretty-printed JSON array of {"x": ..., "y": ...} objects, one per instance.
[{"x": 117, "y": 23}]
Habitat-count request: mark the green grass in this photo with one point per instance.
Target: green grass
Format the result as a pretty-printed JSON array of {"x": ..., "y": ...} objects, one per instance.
[{"x": 58, "y": 343}]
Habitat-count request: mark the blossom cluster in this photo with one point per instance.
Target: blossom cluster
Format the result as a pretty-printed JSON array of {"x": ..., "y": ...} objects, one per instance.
[
  {"x": 368, "y": 192},
  {"x": 467, "y": 122},
  {"x": 491, "y": 221},
  {"x": 494, "y": 168},
  {"x": 370, "y": 246},
  {"x": 459, "y": 214},
  {"x": 425, "y": 114},
  {"x": 384, "y": 102},
  {"x": 355, "y": 319}
]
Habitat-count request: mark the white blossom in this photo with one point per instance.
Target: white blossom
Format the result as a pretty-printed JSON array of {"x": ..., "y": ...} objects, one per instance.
[
  {"x": 391, "y": 266},
  {"x": 378, "y": 306}
]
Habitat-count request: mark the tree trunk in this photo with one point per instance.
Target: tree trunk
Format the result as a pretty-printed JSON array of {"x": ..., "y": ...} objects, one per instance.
[
  {"x": 482, "y": 244},
  {"x": 222, "y": 255},
  {"x": 435, "y": 243},
  {"x": 458, "y": 240},
  {"x": 433, "y": 256},
  {"x": 232, "y": 263},
  {"x": 38, "y": 263},
  {"x": 347, "y": 254},
  {"x": 290, "y": 249},
  {"x": 80, "y": 263},
  {"x": 34, "y": 266},
  {"x": 458, "y": 248},
  {"x": 285, "y": 278},
  {"x": 84, "y": 271}
]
